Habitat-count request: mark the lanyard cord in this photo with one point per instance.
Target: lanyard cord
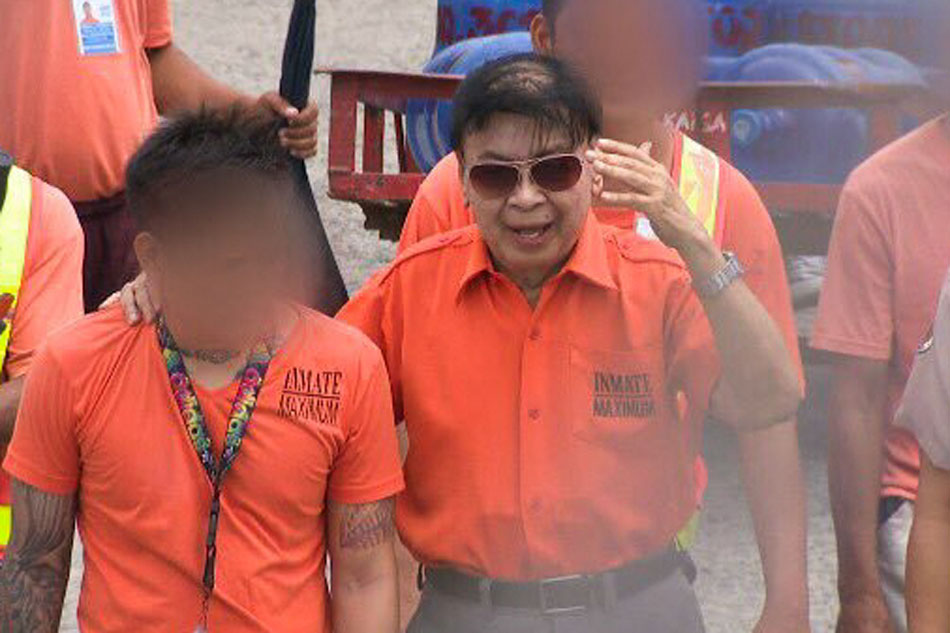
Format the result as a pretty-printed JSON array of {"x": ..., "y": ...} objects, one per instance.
[{"x": 242, "y": 408}]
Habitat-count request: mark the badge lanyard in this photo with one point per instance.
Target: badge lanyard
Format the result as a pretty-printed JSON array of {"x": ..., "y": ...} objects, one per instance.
[{"x": 242, "y": 409}]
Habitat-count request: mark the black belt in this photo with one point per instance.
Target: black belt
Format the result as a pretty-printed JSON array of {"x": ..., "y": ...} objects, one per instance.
[{"x": 565, "y": 595}]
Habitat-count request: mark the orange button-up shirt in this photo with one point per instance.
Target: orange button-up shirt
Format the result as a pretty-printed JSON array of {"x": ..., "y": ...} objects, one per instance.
[{"x": 543, "y": 441}]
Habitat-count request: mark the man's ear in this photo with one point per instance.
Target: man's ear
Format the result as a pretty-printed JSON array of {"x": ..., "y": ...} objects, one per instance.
[
  {"x": 542, "y": 35},
  {"x": 145, "y": 246}
]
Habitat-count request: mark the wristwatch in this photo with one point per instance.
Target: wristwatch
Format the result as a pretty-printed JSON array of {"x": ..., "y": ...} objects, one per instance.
[{"x": 728, "y": 275}]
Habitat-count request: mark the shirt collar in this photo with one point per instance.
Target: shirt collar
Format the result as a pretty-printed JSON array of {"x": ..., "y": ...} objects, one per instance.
[{"x": 588, "y": 261}]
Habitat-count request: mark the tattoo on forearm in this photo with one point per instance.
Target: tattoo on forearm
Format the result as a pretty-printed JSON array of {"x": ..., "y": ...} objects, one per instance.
[
  {"x": 34, "y": 574},
  {"x": 367, "y": 525}
]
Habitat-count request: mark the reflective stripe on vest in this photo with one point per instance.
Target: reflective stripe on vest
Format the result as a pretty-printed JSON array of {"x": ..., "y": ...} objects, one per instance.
[
  {"x": 14, "y": 229},
  {"x": 700, "y": 175},
  {"x": 699, "y": 185}
]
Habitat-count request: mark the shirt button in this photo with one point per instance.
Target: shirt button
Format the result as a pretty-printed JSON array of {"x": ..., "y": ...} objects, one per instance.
[
  {"x": 534, "y": 414},
  {"x": 535, "y": 506},
  {"x": 535, "y": 334}
]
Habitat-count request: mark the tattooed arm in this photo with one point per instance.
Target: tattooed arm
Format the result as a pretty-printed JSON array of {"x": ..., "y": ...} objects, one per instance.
[
  {"x": 34, "y": 574},
  {"x": 363, "y": 572}
]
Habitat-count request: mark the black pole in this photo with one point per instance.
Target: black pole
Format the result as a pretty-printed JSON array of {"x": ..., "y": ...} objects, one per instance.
[{"x": 325, "y": 286}]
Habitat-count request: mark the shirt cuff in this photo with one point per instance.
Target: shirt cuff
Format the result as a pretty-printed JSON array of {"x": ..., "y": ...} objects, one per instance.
[
  {"x": 348, "y": 495},
  {"x": 37, "y": 478}
]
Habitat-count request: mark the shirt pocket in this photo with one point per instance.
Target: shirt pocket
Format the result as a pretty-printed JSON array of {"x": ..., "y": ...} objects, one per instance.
[{"x": 616, "y": 396}]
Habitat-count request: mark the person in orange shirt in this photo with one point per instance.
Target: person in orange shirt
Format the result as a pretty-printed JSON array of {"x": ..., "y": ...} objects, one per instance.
[
  {"x": 553, "y": 373},
  {"x": 616, "y": 45},
  {"x": 76, "y": 105},
  {"x": 50, "y": 296},
  {"x": 214, "y": 458},
  {"x": 888, "y": 258}
]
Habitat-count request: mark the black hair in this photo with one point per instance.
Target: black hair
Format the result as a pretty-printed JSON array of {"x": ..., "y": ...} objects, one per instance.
[
  {"x": 538, "y": 87},
  {"x": 200, "y": 152},
  {"x": 551, "y": 9}
]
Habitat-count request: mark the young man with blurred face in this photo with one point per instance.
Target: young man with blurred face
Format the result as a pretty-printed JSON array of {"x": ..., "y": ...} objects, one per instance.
[
  {"x": 643, "y": 58},
  {"x": 553, "y": 373},
  {"x": 211, "y": 459}
]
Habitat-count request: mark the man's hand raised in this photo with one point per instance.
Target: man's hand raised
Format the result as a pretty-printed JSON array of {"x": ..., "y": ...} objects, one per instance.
[{"x": 629, "y": 178}]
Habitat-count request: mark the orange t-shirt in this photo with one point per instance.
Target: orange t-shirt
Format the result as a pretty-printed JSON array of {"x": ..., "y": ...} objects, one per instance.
[
  {"x": 542, "y": 442},
  {"x": 51, "y": 288},
  {"x": 70, "y": 118},
  {"x": 889, "y": 254},
  {"x": 439, "y": 206},
  {"x": 98, "y": 419}
]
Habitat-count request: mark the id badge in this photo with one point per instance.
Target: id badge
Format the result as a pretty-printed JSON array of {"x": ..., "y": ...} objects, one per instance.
[{"x": 96, "y": 27}]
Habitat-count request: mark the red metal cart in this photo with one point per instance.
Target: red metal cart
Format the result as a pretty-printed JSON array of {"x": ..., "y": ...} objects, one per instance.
[{"x": 803, "y": 224}]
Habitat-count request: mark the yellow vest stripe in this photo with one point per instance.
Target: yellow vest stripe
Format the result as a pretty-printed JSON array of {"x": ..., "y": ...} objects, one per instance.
[
  {"x": 699, "y": 185},
  {"x": 5, "y": 525},
  {"x": 14, "y": 230},
  {"x": 700, "y": 177}
]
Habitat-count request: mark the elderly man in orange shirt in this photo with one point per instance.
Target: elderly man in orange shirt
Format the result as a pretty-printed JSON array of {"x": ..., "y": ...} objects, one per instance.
[
  {"x": 78, "y": 97},
  {"x": 616, "y": 45},
  {"x": 553, "y": 373}
]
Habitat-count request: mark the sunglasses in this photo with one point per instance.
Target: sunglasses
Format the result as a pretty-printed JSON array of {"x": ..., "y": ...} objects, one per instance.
[{"x": 554, "y": 173}]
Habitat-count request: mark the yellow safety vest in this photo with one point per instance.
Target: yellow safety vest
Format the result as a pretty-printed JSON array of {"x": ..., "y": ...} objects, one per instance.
[
  {"x": 14, "y": 229},
  {"x": 700, "y": 175}
]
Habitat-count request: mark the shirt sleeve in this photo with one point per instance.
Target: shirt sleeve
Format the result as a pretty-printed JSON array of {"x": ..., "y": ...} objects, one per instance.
[
  {"x": 926, "y": 406},
  {"x": 855, "y": 313},
  {"x": 157, "y": 22},
  {"x": 44, "y": 451},
  {"x": 368, "y": 467},
  {"x": 750, "y": 233},
  {"x": 693, "y": 364},
  {"x": 421, "y": 222},
  {"x": 51, "y": 292},
  {"x": 438, "y": 207}
]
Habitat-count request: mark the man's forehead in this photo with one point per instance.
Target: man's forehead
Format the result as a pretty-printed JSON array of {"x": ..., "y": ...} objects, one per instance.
[{"x": 513, "y": 138}]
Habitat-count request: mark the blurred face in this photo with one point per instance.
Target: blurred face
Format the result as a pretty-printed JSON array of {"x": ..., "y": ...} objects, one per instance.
[
  {"x": 530, "y": 221},
  {"x": 221, "y": 267},
  {"x": 640, "y": 54}
]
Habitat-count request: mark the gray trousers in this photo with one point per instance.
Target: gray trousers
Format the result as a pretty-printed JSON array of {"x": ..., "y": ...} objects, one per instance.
[
  {"x": 892, "y": 539},
  {"x": 669, "y": 606}
]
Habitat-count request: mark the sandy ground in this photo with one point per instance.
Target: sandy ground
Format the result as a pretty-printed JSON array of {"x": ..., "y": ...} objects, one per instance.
[{"x": 240, "y": 42}]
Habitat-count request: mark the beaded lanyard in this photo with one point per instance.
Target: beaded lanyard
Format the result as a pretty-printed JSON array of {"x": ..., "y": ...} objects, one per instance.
[{"x": 241, "y": 411}]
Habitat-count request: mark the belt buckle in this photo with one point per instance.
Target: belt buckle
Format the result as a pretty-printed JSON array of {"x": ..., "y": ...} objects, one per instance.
[{"x": 548, "y": 608}]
